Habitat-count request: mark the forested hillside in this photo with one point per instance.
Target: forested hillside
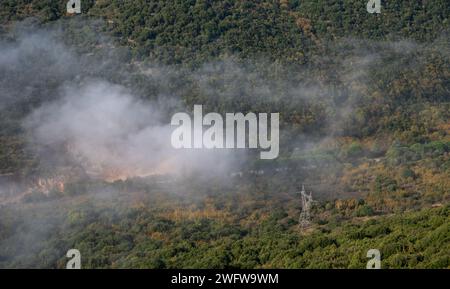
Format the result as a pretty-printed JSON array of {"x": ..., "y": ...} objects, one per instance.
[
  {"x": 364, "y": 103},
  {"x": 192, "y": 31}
]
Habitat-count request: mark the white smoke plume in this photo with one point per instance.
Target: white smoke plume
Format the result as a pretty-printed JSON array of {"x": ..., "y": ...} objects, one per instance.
[
  {"x": 81, "y": 110},
  {"x": 113, "y": 134}
]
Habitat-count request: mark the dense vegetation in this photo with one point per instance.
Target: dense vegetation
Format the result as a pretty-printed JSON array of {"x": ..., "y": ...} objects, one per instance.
[
  {"x": 365, "y": 109},
  {"x": 191, "y": 30},
  {"x": 222, "y": 229}
]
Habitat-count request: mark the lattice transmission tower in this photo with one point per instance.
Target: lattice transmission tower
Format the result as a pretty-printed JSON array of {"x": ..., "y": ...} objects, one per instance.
[{"x": 305, "y": 216}]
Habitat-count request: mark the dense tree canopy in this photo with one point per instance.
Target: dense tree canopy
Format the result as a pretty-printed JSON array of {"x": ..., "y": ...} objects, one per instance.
[{"x": 364, "y": 102}]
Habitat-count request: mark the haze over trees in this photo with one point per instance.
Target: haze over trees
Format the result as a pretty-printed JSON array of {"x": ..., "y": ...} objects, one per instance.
[{"x": 364, "y": 118}]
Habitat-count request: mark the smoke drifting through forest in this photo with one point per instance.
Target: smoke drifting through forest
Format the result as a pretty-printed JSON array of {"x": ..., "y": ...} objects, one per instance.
[
  {"x": 110, "y": 133},
  {"x": 96, "y": 109},
  {"x": 86, "y": 109},
  {"x": 80, "y": 118}
]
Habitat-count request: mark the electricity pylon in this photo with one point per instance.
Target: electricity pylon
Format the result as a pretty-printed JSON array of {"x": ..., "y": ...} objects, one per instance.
[{"x": 305, "y": 216}]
